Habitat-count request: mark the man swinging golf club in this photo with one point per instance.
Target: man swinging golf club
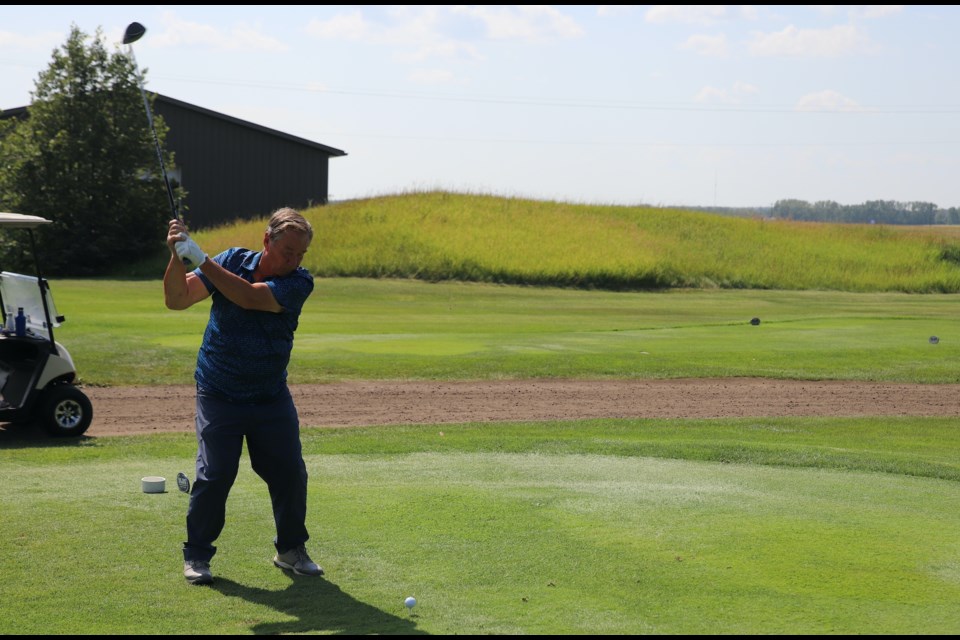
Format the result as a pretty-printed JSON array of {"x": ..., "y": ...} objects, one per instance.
[{"x": 241, "y": 378}]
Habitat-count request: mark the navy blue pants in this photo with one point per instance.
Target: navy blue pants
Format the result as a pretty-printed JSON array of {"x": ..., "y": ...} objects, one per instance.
[{"x": 272, "y": 432}]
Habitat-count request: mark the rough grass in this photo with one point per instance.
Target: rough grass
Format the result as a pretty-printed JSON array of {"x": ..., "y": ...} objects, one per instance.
[{"x": 449, "y": 236}]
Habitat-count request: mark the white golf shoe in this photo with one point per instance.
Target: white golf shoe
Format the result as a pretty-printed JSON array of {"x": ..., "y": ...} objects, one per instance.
[
  {"x": 298, "y": 561},
  {"x": 197, "y": 572}
]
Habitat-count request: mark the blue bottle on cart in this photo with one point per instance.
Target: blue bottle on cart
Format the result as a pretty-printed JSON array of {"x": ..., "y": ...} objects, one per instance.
[{"x": 21, "y": 323}]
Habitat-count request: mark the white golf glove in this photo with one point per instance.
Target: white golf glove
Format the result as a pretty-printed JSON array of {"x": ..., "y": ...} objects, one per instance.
[{"x": 190, "y": 253}]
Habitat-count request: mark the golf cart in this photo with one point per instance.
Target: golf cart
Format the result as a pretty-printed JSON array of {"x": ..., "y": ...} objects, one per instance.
[{"x": 36, "y": 372}]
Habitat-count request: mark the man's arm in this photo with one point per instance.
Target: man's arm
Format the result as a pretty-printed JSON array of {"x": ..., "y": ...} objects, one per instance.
[
  {"x": 255, "y": 296},
  {"x": 181, "y": 289}
]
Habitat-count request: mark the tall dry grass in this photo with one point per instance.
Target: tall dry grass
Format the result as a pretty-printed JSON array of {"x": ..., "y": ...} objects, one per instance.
[{"x": 451, "y": 236}]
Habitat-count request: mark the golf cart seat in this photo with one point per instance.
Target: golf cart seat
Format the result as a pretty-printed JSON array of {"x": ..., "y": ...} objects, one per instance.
[{"x": 20, "y": 363}]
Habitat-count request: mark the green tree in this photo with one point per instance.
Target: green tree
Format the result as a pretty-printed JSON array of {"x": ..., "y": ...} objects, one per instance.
[
  {"x": 85, "y": 159},
  {"x": 792, "y": 209}
]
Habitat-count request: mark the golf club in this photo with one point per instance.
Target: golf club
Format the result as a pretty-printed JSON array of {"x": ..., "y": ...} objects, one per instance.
[
  {"x": 134, "y": 32},
  {"x": 183, "y": 483}
]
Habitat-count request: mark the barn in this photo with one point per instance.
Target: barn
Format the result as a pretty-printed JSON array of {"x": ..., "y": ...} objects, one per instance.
[{"x": 234, "y": 169}]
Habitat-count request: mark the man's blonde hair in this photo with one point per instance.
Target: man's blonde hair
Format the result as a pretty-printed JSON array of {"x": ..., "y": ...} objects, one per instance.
[{"x": 287, "y": 219}]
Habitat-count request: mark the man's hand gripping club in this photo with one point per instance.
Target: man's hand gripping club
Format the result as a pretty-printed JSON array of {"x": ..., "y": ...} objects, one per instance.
[{"x": 183, "y": 246}]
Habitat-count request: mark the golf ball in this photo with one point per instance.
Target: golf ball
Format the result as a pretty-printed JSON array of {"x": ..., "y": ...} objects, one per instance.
[{"x": 410, "y": 602}]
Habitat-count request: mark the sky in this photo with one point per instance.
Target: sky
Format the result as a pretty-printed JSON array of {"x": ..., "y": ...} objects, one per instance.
[{"x": 664, "y": 105}]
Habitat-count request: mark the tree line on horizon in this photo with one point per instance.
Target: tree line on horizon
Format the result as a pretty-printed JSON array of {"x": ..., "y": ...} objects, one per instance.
[{"x": 869, "y": 212}]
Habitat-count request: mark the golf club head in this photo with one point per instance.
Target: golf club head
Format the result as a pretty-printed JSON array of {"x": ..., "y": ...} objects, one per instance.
[
  {"x": 183, "y": 483},
  {"x": 134, "y": 32}
]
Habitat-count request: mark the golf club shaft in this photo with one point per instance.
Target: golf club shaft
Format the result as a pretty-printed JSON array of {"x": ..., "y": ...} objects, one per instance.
[{"x": 156, "y": 140}]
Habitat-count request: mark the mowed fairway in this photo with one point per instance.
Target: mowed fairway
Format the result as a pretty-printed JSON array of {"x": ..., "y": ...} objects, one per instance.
[
  {"x": 748, "y": 526},
  {"x": 506, "y": 529},
  {"x": 119, "y": 333}
]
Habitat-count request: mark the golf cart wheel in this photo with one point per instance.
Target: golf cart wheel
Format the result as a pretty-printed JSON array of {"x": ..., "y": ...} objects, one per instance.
[{"x": 65, "y": 411}]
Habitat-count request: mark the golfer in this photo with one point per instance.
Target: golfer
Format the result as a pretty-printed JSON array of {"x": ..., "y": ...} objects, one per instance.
[{"x": 241, "y": 382}]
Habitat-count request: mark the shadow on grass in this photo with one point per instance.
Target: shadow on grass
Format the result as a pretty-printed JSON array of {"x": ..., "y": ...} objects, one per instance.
[
  {"x": 23, "y": 435},
  {"x": 319, "y": 607}
]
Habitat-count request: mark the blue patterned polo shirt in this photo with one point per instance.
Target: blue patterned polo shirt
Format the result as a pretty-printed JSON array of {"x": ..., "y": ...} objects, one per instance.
[{"x": 244, "y": 354}]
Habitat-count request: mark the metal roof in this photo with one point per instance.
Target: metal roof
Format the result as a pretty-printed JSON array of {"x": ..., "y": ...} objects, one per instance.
[
  {"x": 243, "y": 123},
  {"x": 15, "y": 112},
  {"x": 21, "y": 221}
]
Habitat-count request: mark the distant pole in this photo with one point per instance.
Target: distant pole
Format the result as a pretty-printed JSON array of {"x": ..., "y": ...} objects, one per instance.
[{"x": 714, "y": 187}]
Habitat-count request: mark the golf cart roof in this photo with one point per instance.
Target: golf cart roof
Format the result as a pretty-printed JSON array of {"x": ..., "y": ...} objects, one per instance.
[{"x": 21, "y": 221}]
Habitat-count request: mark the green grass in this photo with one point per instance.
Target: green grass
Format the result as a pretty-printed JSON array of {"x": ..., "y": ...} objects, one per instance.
[
  {"x": 759, "y": 526},
  {"x": 788, "y": 526},
  {"x": 609, "y": 526},
  {"x": 119, "y": 332},
  {"x": 438, "y": 236}
]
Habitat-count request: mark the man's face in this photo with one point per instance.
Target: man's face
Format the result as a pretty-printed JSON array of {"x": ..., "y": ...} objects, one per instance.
[{"x": 283, "y": 255}]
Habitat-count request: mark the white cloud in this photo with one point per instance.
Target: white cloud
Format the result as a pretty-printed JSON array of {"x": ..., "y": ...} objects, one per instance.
[
  {"x": 44, "y": 40},
  {"x": 865, "y": 11},
  {"x": 420, "y": 31},
  {"x": 417, "y": 32},
  {"x": 432, "y": 76},
  {"x": 448, "y": 49},
  {"x": 525, "y": 22},
  {"x": 608, "y": 10},
  {"x": 177, "y": 33},
  {"x": 715, "y": 46},
  {"x": 246, "y": 37},
  {"x": 346, "y": 26},
  {"x": 825, "y": 9},
  {"x": 354, "y": 27},
  {"x": 697, "y": 13},
  {"x": 414, "y": 26},
  {"x": 711, "y": 94},
  {"x": 417, "y": 24},
  {"x": 832, "y": 42},
  {"x": 734, "y": 95},
  {"x": 876, "y": 10},
  {"x": 827, "y": 100}
]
